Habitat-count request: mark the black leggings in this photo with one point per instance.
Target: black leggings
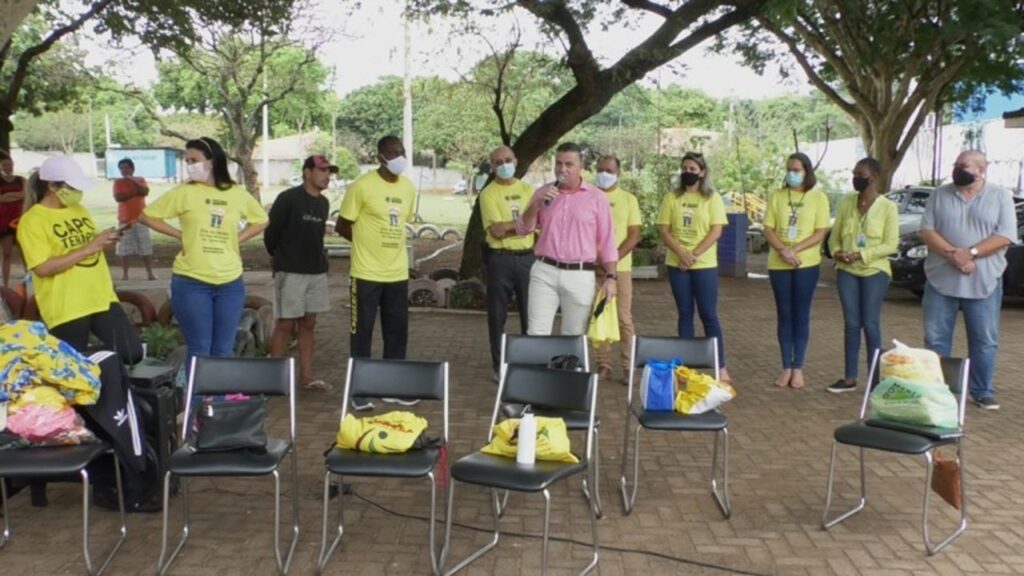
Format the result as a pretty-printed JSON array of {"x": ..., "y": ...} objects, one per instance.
[{"x": 112, "y": 327}]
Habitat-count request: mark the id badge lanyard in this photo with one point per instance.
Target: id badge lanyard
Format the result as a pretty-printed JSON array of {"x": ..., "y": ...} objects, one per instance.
[{"x": 794, "y": 215}]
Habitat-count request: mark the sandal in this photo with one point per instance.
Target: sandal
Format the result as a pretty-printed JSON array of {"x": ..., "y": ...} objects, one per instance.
[{"x": 318, "y": 386}]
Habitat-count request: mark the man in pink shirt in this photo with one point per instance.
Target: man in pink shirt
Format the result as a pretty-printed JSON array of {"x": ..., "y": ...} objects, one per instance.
[{"x": 576, "y": 236}]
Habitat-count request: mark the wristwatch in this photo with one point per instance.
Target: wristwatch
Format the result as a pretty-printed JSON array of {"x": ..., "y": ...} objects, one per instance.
[
  {"x": 974, "y": 252},
  {"x": 611, "y": 276}
]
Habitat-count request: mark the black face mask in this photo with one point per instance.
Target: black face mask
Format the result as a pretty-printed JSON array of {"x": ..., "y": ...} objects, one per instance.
[
  {"x": 861, "y": 183},
  {"x": 688, "y": 179},
  {"x": 962, "y": 177}
]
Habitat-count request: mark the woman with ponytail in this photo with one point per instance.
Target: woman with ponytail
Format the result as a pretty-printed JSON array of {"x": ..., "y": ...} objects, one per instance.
[
  {"x": 63, "y": 249},
  {"x": 207, "y": 291}
]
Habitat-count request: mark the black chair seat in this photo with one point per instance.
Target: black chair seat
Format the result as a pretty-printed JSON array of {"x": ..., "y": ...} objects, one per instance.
[
  {"x": 573, "y": 420},
  {"x": 707, "y": 422},
  {"x": 49, "y": 461},
  {"x": 504, "y": 473},
  {"x": 933, "y": 432},
  {"x": 865, "y": 436},
  {"x": 411, "y": 464},
  {"x": 185, "y": 462}
]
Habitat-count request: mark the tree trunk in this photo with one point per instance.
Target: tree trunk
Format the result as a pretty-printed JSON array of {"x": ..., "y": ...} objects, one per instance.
[
  {"x": 6, "y": 127},
  {"x": 472, "y": 265}
]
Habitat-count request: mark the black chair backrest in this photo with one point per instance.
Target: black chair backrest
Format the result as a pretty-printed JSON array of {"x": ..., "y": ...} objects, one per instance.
[
  {"x": 538, "y": 350},
  {"x": 268, "y": 376},
  {"x": 555, "y": 389},
  {"x": 406, "y": 379},
  {"x": 700, "y": 353}
]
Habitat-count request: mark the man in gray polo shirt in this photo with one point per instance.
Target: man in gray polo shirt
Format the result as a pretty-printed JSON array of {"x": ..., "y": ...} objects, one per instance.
[{"x": 967, "y": 226}]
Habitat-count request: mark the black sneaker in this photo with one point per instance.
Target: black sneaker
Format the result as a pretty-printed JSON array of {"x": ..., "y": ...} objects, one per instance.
[
  {"x": 841, "y": 386},
  {"x": 987, "y": 403}
]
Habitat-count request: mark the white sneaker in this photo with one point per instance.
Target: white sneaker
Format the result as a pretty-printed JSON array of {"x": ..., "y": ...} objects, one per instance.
[{"x": 400, "y": 401}]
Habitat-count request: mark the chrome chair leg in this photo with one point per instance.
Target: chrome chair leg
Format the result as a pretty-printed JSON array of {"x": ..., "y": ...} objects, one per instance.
[
  {"x": 433, "y": 519},
  {"x": 722, "y": 499},
  {"x": 629, "y": 496},
  {"x": 594, "y": 469},
  {"x": 85, "y": 521},
  {"x": 826, "y": 524},
  {"x": 161, "y": 565},
  {"x": 284, "y": 564},
  {"x": 448, "y": 531},
  {"x": 962, "y": 524},
  {"x": 6, "y": 535},
  {"x": 547, "y": 526},
  {"x": 593, "y": 528},
  {"x": 325, "y": 551}
]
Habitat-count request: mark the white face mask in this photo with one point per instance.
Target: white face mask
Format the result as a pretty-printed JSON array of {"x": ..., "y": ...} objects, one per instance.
[
  {"x": 197, "y": 172},
  {"x": 396, "y": 165},
  {"x": 506, "y": 171},
  {"x": 606, "y": 180}
]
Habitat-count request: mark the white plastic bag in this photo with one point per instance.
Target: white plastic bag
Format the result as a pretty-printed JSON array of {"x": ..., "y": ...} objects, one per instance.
[{"x": 916, "y": 365}]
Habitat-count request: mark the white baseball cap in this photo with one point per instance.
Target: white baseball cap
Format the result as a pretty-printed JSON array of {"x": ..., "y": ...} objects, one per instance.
[{"x": 64, "y": 169}]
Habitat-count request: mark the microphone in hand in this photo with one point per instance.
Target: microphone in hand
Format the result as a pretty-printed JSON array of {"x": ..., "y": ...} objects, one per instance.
[{"x": 560, "y": 179}]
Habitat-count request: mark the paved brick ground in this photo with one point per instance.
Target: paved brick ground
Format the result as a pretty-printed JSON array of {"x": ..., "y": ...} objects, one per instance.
[{"x": 780, "y": 444}]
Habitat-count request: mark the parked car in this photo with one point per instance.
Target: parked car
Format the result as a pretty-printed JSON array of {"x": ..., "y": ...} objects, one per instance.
[
  {"x": 908, "y": 262},
  {"x": 910, "y": 203},
  {"x": 460, "y": 188}
]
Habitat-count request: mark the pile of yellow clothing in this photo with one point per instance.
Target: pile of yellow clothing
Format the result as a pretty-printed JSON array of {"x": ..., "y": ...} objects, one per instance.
[
  {"x": 552, "y": 440},
  {"x": 697, "y": 393},
  {"x": 389, "y": 433},
  {"x": 41, "y": 377}
]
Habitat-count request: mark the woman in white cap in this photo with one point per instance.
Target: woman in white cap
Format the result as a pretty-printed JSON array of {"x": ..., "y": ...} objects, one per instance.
[{"x": 64, "y": 251}]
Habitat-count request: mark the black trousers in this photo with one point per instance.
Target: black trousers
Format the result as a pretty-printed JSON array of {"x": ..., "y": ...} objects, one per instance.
[
  {"x": 507, "y": 273},
  {"x": 392, "y": 298},
  {"x": 112, "y": 327}
]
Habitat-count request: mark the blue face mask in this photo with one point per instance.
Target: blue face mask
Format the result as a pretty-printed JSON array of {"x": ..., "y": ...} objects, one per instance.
[
  {"x": 506, "y": 171},
  {"x": 794, "y": 179}
]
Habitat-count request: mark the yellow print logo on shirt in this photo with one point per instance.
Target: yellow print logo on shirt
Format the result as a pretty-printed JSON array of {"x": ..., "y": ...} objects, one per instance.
[{"x": 75, "y": 233}]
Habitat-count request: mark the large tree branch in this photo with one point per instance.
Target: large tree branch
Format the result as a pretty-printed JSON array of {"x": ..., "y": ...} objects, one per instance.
[
  {"x": 579, "y": 58},
  {"x": 652, "y": 7},
  {"x": 21, "y": 71},
  {"x": 810, "y": 71}
]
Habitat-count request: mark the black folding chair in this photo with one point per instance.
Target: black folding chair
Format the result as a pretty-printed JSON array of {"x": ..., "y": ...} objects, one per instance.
[
  {"x": 394, "y": 379},
  {"x": 697, "y": 353},
  {"x": 61, "y": 461},
  {"x": 563, "y": 390},
  {"x": 898, "y": 438},
  {"x": 215, "y": 376},
  {"x": 538, "y": 351}
]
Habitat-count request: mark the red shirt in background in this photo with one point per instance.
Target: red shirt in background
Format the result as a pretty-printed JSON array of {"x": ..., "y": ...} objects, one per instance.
[{"x": 128, "y": 210}]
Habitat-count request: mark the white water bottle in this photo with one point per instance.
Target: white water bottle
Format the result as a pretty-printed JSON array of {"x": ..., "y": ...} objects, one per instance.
[{"x": 526, "y": 451}]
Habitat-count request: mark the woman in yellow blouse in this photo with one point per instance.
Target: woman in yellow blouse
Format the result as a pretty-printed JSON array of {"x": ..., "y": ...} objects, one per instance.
[
  {"x": 795, "y": 223},
  {"x": 207, "y": 291},
  {"x": 690, "y": 221},
  {"x": 865, "y": 234}
]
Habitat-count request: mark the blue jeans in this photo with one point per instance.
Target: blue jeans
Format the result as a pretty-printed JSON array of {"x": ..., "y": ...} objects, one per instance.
[
  {"x": 208, "y": 314},
  {"x": 981, "y": 318},
  {"x": 794, "y": 293},
  {"x": 700, "y": 287},
  {"x": 861, "y": 298}
]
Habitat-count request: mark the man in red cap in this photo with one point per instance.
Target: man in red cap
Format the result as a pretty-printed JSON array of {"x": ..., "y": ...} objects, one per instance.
[{"x": 295, "y": 240}]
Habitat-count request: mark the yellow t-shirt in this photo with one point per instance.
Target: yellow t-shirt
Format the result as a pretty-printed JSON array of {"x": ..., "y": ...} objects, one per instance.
[
  {"x": 794, "y": 216},
  {"x": 625, "y": 213},
  {"x": 79, "y": 291},
  {"x": 504, "y": 203},
  {"x": 875, "y": 235},
  {"x": 690, "y": 217},
  {"x": 379, "y": 210},
  {"x": 209, "y": 219}
]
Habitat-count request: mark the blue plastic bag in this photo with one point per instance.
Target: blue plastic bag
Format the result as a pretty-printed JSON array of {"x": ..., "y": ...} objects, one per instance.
[{"x": 658, "y": 385}]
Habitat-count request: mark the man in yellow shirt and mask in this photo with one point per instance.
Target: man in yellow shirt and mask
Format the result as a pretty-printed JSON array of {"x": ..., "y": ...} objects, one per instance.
[
  {"x": 626, "y": 220},
  {"x": 373, "y": 216},
  {"x": 510, "y": 255}
]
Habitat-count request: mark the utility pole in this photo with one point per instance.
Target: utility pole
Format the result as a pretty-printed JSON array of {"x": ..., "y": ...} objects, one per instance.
[
  {"x": 407, "y": 95},
  {"x": 266, "y": 135}
]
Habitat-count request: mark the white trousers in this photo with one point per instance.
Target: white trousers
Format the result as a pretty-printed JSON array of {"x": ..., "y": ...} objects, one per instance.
[{"x": 551, "y": 287}]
